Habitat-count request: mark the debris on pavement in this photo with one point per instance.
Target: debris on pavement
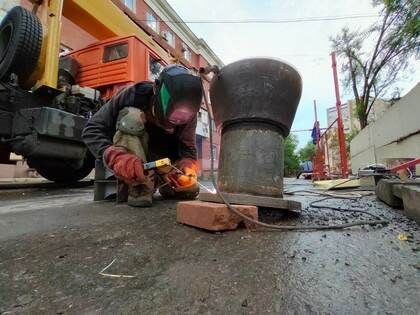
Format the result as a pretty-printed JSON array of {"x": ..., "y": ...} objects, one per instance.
[{"x": 102, "y": 272}]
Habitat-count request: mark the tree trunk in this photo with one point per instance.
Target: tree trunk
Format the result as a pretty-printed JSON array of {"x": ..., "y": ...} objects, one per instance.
[
  {"x": 363, "y": 122},
  {"x": 361, "y": 108}
]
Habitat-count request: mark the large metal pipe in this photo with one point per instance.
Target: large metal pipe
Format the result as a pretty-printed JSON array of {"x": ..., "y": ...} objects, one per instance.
[{"x": 254, "y": 101}]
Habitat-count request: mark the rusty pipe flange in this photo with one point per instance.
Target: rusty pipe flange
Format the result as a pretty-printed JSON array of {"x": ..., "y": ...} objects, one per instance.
[{"x": 262, "y": 89}]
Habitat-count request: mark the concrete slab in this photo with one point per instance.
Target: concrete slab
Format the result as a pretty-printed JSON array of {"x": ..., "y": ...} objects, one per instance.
[
  {"x": 385, "y": 193},
  {"x": 260, "y": 201},
  {"x": 389, "y": 191},
  {"x": 411, "y": 200},
  {"x": 368, "y": 182},
  {"x": 397, "y": 190}
]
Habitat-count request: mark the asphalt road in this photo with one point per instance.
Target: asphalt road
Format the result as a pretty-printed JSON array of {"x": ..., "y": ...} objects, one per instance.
[{"x": 54, "y": 243}]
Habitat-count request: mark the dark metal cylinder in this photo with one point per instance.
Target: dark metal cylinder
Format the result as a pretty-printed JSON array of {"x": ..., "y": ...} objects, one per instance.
[
  {"x": 256, "y": 89},
  {"x": 251, "y": 160},
  {"x": 255, "y": 101}
]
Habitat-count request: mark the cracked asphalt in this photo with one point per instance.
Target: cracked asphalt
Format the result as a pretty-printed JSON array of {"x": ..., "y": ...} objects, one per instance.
[{"x": 54, "y": 243}]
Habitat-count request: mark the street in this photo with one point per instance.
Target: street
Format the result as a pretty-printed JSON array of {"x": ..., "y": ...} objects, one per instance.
[{"x": 55, "y": 242}]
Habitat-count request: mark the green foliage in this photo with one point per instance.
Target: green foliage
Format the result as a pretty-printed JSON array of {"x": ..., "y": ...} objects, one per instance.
[
  {"x": 373, "y": 73},
  {"x": 307, "y": 152},
  {"x": 291, "y": 158}
]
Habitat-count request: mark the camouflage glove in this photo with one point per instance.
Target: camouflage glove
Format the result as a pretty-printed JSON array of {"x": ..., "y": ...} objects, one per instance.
[{"x": 126, "y": 166}]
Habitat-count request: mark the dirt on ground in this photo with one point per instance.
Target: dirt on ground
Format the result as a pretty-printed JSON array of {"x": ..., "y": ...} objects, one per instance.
[{"x": 54, "y": 243}]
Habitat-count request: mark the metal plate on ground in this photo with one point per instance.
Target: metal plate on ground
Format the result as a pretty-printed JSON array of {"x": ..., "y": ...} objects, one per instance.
[{"x": 259, "y": 201}]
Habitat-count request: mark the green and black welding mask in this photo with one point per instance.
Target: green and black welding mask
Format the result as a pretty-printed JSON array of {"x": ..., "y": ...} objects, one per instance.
[{"x": 178, "y": 96}]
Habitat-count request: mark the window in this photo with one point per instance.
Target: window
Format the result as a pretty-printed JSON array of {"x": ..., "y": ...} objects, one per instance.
[
  {"x": 214, "y": 149},
  {"x": 186, "y": 52},
  {"x": 131, "y": 4},
  {"x": 169, "y": 37},
  {"x": 152, "y": 22},
  {"x": 155, "y": 68},
  {"x": 115, "y": 52}
]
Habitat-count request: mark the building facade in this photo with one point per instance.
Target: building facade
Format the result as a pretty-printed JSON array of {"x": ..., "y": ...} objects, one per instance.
[
  {"x": 394, "y": 138},
  {"x": 158, "y": 19},
  {"x": 351, "y": 126}
]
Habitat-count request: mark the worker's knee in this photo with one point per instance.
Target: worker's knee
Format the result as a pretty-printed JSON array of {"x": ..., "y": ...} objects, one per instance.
[{"x": 131, "y": 121}]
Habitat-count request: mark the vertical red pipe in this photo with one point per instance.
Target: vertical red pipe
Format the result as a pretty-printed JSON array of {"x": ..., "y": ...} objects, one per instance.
[
  {"x": 340, "y": 129},
  {"x": 328, "y": 155},
  {"x": 316, "y": 124},
  {"x": 316, "y": 167}
]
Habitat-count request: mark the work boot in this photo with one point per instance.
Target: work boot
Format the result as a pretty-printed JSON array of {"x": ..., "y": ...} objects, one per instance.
[
  {"x": 189, "y": 193},
  {"x": 141, "y": 195},
  {"x": 122, "y": 191}
]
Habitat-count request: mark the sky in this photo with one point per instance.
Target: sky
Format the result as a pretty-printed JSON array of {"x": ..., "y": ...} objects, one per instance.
[{"x": 305, "y": 45}]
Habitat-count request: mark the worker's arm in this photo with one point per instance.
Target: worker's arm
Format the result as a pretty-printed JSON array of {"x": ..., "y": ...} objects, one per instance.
[
  {"x": 100, "y": 128},
  {"x": 186, "y": 140},
  {"x": 187, "y": 162}
]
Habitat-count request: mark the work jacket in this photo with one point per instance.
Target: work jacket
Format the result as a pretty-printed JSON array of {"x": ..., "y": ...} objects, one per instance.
[{"x": 101, "y": 127}]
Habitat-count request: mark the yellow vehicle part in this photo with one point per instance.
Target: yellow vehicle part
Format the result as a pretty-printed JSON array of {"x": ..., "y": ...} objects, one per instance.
[
  {"x": 157, "y": 164},
  {"x": 100, "y": 18},
  {"x": 50, "y": 13},
  {"x": 52, "y": 44}
]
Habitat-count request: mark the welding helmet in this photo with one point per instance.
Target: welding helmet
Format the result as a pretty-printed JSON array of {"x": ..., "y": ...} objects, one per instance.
[{"x": 178, "y": 96}]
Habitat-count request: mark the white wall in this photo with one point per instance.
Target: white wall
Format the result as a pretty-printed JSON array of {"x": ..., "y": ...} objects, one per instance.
[
  {"x": 395, "y": 135},
  {"x": 6, "y": 5}
]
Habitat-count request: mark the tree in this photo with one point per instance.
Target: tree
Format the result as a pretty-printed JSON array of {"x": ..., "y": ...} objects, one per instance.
[
  {"x": 370, "y": 74},
  {"x": 307, "y": 152},
  {"x": 291, "y": 159}
]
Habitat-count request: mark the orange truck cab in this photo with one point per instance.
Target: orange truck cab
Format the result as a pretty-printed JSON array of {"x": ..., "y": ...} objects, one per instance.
[{"x": 112, "y": 64}]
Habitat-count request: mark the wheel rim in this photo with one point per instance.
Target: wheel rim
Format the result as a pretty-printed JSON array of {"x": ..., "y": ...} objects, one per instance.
[{"x": 5, "y": 39}]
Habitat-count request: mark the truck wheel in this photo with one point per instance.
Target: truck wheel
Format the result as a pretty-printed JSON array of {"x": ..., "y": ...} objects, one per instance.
[
  {"x": 62, "y": 171},
  {"x": 20, "y": 44}
]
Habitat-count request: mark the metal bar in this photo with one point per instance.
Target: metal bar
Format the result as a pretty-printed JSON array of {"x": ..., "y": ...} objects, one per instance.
[
  {"x": 328, "y": 154},
  {"x": 52, "y": 44},
  {"x": 405, "y": 165},
  {"x": 340, "y": 127},
  {"x": 305, "y": 130},
  {"x": 328, "y": 128},
  {"x": 316, "y": 125}
]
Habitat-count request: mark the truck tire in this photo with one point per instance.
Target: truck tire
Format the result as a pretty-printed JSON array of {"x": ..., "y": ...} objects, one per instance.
[
  {"x": 62, "y": 171},
  {"x": 20, "y": 44}
]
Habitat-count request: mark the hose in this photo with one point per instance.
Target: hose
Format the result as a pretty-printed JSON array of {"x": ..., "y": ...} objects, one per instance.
[{"x": 259, "y": 223}]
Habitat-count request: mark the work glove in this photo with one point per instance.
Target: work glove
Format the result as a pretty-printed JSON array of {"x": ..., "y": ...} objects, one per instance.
[
  {"x": 185, "y": 180},
  {"x": 126, "y": 166}
]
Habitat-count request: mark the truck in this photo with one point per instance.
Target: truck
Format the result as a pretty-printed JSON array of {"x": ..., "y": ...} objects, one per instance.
[{"x": 46, "y": 99}]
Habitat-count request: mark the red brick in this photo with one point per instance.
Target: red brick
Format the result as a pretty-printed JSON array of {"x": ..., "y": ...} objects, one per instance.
[{"x": 213, "y": 216}]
